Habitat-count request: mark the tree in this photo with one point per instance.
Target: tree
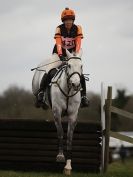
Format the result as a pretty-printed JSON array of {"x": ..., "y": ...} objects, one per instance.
[{"x": 120, "y": 101}]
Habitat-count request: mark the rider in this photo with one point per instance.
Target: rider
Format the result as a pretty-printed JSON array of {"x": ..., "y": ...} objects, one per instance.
[{"x": 67, "y": 36}]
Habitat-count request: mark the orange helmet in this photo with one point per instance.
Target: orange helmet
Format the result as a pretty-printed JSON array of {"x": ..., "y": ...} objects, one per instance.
[{"x": 67, "y": 14}]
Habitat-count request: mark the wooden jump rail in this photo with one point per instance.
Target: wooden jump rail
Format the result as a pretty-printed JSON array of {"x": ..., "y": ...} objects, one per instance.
[
  {"x": 33, "y": 145},
  {"x": 108, "y": 109}
]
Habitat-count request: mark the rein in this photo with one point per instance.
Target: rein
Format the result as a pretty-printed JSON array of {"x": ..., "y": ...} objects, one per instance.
[
  {"x": 56, "y": 82},
  {"x": 67, "y": 95}
]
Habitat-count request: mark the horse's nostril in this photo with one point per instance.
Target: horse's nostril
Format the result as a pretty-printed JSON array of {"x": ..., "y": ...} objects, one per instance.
[{"x": 73, "y": 84}]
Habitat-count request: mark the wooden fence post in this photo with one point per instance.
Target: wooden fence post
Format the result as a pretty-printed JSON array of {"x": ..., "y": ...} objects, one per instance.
[
  {"x": 103, "y": 125},
  {"x": 108, "y": 104}
]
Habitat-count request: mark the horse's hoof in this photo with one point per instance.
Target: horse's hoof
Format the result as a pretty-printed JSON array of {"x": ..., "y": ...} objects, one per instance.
[
  {"x": 67, "y": 172},
  {"x": 60, "y": 158}
]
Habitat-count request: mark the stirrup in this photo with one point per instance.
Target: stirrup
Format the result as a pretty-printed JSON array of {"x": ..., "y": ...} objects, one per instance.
[
  {"x": 40, "y": 96},
  {"x": 84, "y": 102}
]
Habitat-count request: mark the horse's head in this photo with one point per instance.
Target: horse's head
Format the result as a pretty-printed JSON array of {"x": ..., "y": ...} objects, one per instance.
[{"x": 74, "y": 69}]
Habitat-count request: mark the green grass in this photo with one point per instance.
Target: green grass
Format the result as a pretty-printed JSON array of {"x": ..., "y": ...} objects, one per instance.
[{"x": 116, "y": 169}]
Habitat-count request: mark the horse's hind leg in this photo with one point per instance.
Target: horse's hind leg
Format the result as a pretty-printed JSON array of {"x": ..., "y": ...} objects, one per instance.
[{"x": 57, "y": 118}]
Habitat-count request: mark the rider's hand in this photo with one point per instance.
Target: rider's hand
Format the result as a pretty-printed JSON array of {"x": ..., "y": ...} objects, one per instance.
[{"x": 62, "y": 58}]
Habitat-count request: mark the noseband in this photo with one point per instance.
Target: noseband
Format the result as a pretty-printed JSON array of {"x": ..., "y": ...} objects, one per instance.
[{"x": 69, "y": 76}]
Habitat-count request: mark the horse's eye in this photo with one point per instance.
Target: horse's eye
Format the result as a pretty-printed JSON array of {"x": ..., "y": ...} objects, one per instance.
[
  {"x": 81, "y": 66},
  {"x": 69, "y": 66}
]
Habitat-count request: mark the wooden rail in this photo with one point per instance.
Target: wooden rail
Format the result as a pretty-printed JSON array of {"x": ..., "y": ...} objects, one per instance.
[
  {"x": 121, "y": 137},
  {"x": 121, "y": 112}
]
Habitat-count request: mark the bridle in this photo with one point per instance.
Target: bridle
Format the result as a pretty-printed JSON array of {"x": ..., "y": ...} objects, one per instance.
[{"x": 68, "y": 78}]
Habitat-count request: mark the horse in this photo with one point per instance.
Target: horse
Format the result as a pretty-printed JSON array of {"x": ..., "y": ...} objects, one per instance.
[{"x": 65, "y": 96}]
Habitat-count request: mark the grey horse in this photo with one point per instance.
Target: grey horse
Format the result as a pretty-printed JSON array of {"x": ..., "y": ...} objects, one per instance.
[{"x": 65, "y": 95}]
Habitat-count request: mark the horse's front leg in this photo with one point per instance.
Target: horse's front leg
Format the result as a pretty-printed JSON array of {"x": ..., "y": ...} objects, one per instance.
[
  {"x": 57, "y": 118},
  {"x": 72, "y": 120}
]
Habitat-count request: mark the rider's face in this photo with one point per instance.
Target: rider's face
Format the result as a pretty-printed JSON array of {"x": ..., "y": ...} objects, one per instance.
[{"x": 68, "y": 23}]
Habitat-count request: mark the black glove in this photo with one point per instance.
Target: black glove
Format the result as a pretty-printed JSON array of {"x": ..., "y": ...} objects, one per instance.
[{"x": 62, "y": 58}]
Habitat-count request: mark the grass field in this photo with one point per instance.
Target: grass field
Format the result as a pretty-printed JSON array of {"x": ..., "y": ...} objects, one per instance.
[{"x": 116, "y": 169}]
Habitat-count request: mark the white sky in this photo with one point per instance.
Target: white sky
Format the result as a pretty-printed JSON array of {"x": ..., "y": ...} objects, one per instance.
[{"x": 26, "y": 38}]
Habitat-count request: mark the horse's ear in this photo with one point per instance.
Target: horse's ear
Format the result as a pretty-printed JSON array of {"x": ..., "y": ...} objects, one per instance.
[
  {"x": 69, "y": 55},
  {"x": 79, "y": 54}
]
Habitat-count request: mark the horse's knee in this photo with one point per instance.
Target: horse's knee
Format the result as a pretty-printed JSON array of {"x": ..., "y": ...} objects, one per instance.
[
  {"x": 56, "y": 113},
  {"x": 72, "y": 123}
]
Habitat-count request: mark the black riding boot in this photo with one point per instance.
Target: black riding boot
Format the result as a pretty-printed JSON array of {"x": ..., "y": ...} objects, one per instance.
[
  {"x": 84, "y": 99},
  {"x": 41, "y": 97}
]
